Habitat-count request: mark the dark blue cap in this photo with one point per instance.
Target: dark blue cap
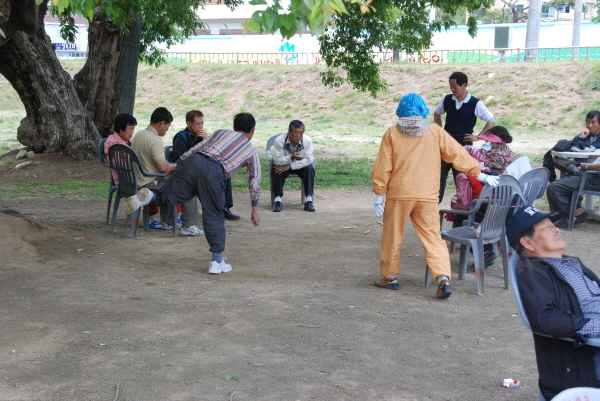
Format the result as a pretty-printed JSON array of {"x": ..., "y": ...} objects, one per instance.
[{"x": 522, "y": 220}]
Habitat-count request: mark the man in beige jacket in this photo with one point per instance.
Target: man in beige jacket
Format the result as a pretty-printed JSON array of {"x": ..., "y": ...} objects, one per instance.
[{"x": 406, "y": 182}]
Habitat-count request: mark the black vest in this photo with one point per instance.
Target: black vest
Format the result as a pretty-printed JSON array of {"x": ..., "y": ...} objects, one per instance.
[{"x": 462, "y": 121}]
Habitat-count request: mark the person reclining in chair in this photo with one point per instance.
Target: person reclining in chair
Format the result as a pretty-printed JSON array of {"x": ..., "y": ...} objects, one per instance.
[
  {"x": 561, "y": 298},
  {"x": 293, "y": 154}
]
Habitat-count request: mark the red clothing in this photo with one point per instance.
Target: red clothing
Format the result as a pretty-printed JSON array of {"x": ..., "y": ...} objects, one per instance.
[{"x": 114, "y": 139}]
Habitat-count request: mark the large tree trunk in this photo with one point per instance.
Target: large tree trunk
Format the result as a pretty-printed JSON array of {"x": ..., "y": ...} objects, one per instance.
[
  {"x": 106, "y": 83},
  {"x": 96, "y": 83},
  {"x": 129, "y": 59},
  {"x": 56, "y": 120}
]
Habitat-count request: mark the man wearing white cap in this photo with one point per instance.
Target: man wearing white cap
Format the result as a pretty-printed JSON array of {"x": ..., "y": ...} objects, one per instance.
[{"x": 406, "y": 182}]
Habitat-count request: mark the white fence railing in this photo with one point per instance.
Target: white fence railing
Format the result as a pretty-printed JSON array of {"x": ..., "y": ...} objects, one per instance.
[{"x": 472, "y": 56}]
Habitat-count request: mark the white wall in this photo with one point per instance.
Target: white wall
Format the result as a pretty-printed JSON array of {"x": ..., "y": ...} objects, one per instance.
[{"x": 552, "y": 34}]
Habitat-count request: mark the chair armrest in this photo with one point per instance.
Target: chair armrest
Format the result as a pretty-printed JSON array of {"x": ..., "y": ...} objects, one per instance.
[
  {"x": 455, "y": 211},
  {"x": 145, "y": 174},
  {"x": 593, "y": 342}
]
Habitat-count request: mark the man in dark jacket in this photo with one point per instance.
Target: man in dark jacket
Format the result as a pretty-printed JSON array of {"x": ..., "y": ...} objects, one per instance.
[
  {"x": 192, "y": 135},
  {"x": 562, "y": 301}
]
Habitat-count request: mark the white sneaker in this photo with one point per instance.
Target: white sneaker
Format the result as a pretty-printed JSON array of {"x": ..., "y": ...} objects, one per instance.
[
  {"x": 225, "y": 268},
  {"x": 218, "y": 268},
  {"x": 191, "y": 231},
  {"x": 214, "y": 268}
]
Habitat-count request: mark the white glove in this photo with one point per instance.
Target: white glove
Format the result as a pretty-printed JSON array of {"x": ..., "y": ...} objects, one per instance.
[
  {"x": 379, "y": 204},
  {"x": 491, "y": 180}
]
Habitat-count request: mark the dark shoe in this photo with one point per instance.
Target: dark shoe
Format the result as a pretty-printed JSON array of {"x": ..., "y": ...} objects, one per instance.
[
  {"x": 444, "y": 290},
  {"x": 309, "y": 207},
  {"x": 489, "y": 259},
  {"x": 387, "y": 284},
  {"x": 277, "y": 206},
  {"x": 229, "y": 215}
]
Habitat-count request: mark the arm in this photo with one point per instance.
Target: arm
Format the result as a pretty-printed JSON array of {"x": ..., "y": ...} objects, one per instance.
[
  {"x": 482, "y": 112},
  {"x": 437, "y": 113},
  {"x": 307, "y": 160},
  {"x": 382, "y": 168},
  {"x": 539, "y": 299},
  {"x": 158, "y": 156},
  {"x": 590, "y": 166},
  {"x": 280, "y": 156},
  {"x": 453, "y": 153},
  {"x": 180, "y": 146},
  {"x": 253, "y": 168}
]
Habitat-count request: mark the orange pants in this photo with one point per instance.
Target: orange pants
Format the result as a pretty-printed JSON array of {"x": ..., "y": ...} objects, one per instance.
[{"x": 425, "y": 218}]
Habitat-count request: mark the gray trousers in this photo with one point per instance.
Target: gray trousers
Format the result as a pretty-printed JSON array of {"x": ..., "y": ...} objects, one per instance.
[
  {"x": 189, "y": 213},
  {"x": 202, "y": 177},
  {"x": 560, "y": 191}
]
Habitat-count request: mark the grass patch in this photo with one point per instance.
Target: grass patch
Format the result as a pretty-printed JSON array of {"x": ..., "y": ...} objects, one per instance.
[
  {"x": 70, "y": 190},
  {"x": 592, "y": 81},
  {"x": 336, "y": 173},
  {"x": 330, "y": 173}
]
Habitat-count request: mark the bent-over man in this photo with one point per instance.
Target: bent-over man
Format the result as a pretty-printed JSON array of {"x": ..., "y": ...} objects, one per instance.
[{"x": 202, "y": 172}]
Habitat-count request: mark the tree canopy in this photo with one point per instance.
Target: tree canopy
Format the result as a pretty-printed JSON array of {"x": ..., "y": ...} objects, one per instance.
[
  {"x": 350, "y": 31},
  {"x": 164, "y": 22}
]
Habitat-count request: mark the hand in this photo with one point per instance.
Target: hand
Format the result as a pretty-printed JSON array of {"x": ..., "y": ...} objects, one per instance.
[
  {"x": 585, "y": 133},
  {"x": 490, "y": 180},
  {"x": 379, "y": 205},
  {"x": 201, "y": 134},
  {"x": 471, "y": 138},
  {"x": 281, "y": 169},
  {"x": 254, "y": 216},
  {"x": 573, "y": 169},
  {"x": 296, "y": 156}
]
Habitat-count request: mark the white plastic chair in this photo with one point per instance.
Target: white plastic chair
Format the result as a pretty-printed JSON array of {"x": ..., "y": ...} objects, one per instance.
[
  {"x": 518, "y": 167},
  {"x": 578, "y": 394}
]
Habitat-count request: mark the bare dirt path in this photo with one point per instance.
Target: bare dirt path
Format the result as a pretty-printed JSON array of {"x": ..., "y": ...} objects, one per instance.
[{"x": 85, "y": 309}]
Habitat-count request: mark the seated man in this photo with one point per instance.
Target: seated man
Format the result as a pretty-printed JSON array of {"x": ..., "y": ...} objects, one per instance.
[
  {"x": 587, "y": 139},
  {"x": 192, "y": 135},
  {"x": 561, "y": 298},
  {"x": 559, "y": 192},
  {"x": 149, "y": 147},
  {"x": 124, "y": 125},
  {"x": 293, "y": 154}
]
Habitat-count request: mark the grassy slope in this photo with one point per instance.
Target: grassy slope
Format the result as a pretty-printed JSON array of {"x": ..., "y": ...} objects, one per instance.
[{"x": 539, "y": 103}]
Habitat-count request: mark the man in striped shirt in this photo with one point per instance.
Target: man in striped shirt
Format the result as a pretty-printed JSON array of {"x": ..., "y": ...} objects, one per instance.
[{"x": 202, "y": 172}]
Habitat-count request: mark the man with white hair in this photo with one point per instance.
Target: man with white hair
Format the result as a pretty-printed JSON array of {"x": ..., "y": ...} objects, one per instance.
[{"x": 406, "y": 182}]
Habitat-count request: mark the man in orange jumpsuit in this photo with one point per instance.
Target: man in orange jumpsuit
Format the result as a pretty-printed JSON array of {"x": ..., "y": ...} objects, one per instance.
[{"x": 406, "y": 182}]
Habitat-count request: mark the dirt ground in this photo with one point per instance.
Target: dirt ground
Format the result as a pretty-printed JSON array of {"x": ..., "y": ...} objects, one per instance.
[{"x": 86, "y": 311}]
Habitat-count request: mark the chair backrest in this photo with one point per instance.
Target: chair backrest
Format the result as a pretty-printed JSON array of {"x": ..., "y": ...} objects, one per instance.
[
  {"x": 100, "y": 151},
  {"x": 578, "y": 394},
  {"x": 500, "y": 200},
  {"x": 514, "y": 285},
  {"x": 122, "y": 158},
  {"x": 534, "y": 183},
  {"x": 518, "y": 167},
  {"x": 270, "y": 142}
]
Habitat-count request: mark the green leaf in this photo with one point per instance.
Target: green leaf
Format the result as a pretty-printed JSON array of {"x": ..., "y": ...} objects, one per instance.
[
  {"x": 234, "y": 376},
  {"x": 252, "y": 25},
  {"x": 258, "y": 2}
]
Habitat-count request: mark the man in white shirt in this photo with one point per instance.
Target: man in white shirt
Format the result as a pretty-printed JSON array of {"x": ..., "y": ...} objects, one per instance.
[
  {"x": 293, "y": 154},
  {"x": 462, "y": 111}
]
